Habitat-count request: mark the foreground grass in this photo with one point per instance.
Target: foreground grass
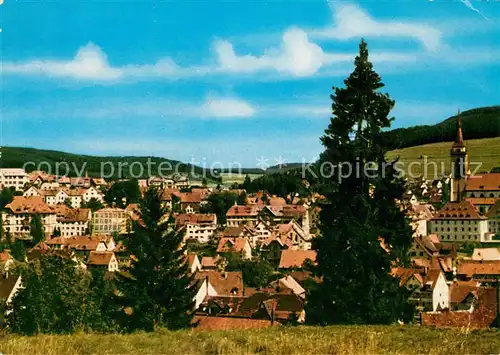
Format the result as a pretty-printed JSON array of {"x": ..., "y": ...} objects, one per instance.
[
  {"x": 277, "y": 340},
  {"x": 481, "y": 151}
]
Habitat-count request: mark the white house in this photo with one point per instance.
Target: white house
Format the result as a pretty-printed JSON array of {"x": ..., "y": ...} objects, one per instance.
[
  {"x": 200, "y": 227},
  {"x": 15, "y": 178}
]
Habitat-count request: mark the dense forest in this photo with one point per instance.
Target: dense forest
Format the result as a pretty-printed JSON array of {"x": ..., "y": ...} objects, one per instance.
[
  {"x": 477, "y": 123},
  {"x": 16, "y": 157}
]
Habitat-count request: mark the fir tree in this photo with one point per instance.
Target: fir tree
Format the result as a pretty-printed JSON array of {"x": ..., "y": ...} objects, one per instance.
[
  {"x": 355, "y": 270},
  {"x": 158, "y": 291}
]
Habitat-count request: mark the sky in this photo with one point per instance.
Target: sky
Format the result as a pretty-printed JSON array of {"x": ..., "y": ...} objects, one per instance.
[{"x": 230, "y": 81}]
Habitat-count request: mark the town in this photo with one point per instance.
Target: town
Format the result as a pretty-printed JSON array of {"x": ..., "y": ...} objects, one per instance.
[{"x": 455, "y": 253}]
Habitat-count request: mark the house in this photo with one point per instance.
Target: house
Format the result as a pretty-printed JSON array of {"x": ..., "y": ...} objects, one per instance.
[
  {"x": 494, "y": 221},
  {"x": 483, "y": 314},
  {"x": 274, "y": 307},
  {"x": 296, "y": 258},
  {"x": 420, "y": 215},
  {"x": 463, "y": 294},
  {"x": 83, "y": 244},
  {"x": 193, "y": 262},
  {"x": 9, "y": 285},
  {"x": 92, "y": 193},
  {"x": 486, "y": 254},
  {"x": 204, "y": 289},
  {"x": 459, "y": 222},
  {"x": 13, "y": 178},
  {"x": 105, "y": 260},
  {"x": 17, "y": 216},
  {"x": 73, "y": 222},
  {"x": 242, "y": 231},
  {"x": 288, "y": 282},
  {"x": 190, "y": 202},
  {"x": 429, "y": 290},
  {"x": 108, "y": 221},
  {"x": 199, "y": 227},
  {"x": 225, "y": 283},
  {"x": 484, "y": 270},
  {"x": 235, "y": 245},
  {"x": 485, "y": 185}
]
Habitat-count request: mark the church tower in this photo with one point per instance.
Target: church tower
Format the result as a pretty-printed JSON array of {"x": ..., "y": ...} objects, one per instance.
[{"x": 459, "y": 163}]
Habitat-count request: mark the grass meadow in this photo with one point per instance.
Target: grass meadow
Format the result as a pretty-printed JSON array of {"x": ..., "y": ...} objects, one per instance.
[{"x": 277, "y": 340}]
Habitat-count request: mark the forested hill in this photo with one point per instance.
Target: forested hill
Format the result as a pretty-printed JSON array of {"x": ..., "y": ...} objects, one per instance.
[
  {"x": 477, "y": 123},
  {"x": 16, "y": 157}
]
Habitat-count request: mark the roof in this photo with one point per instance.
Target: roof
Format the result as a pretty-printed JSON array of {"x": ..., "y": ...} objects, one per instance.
[
  {"x": 486, "y": 254},
  {"x": 226, "y": 323},
  {"x": 405, "y": 274},
  {"x": 6, "y": 286},
  {"x": 471, "y": 268},
  {"x": 190, "y": 197},
  {"x": 78, "y": 242},
  {"x": 227, "y": 283},
  {"x": 458, "y": 211},
  {"x": 290, "y": 283},
  {"x": 100, "y": 258},
  {"x": 494, "y": 211},
  {"x": 75, "y": 215},
  {"x": 489, "y": 201},
  {"x": 459, "y": 290},
  {"x": 421, "y": 212},
  {"x": 30, "y": 205},
  {"x": 243, "y": 211},
  {"x": 295, "y": 258},
  {"x": 483, "y": 315},
  {"x": 237, "y": 231},
  {"x": 208, "y": 262},
  {"x": 485, "y": 182},
  {"x": 232, "y": 245},
  {"x": 195, "y": 218}
]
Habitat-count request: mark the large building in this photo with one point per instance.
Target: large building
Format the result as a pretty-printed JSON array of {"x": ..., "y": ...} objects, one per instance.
[
  {"x": 200, "y": 227},
  {"x": 109, "y": 221},
  {"x": 15, "y": 178},
  {"x": 17, "y": 216},
  {"x": 459, "y": 222}
]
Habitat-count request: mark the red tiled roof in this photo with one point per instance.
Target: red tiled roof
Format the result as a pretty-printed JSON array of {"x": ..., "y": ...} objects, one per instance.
[
  {"x": 208, "y": 262},
  {"x": 459, "y": 290},
  {"x": 243, "y": 211},
  {"x": 486, "y": 182},
  {"x": 226, "y": 323},
  {"x": 482, "y": 200},
  {"x": 459, "y": 211},
  {"x": 227, "y": 283},
  {"x": 482, "y": 316},
  {"x": 30, "y": 205},
  {"x": 471, "y": 268},
  {"x": 102, "y": 258},
  {"x": 295, "y": 258},
  {"x": 78, "y": 242},
  {"x": 75, "y": 215},
  {"x": 232, "y": 245},
  {"x": 194, "y": 218}
]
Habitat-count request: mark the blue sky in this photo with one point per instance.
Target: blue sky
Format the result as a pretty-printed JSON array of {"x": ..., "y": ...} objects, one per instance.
[{"x": 210, "y": 81}]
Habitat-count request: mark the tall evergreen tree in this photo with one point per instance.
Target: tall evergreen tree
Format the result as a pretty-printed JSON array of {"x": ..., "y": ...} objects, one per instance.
[
  {"x": 158, "y": 291},
  {"x": 355, "y": 270},
  {"x": 37, "y": 231}
]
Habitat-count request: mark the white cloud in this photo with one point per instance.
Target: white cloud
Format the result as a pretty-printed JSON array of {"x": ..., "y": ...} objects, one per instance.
[
  {"x": 296, "y": 56},
  {"x": 90, "y": 62},
  {"x": 352, "y": 22},
  {"x": 228, "y": 107}
]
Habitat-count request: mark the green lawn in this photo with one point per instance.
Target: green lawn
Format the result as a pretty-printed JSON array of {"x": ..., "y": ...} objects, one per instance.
[
  {"x": 276, "y": 340},
  {"x": 484, "y": 153},
  {"x": 231, "y": 178}
]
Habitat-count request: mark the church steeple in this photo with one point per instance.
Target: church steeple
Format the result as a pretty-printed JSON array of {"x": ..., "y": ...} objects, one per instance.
[
  {"x": 459, "y": 140},
  {"x": 460, "y": 163}
]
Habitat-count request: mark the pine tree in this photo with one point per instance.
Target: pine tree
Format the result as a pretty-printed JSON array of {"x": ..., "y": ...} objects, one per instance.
[
  {"x": 37, "y": 232},
  {"x": 355, "y": 270},
  {"x": 158, "y": 291}
]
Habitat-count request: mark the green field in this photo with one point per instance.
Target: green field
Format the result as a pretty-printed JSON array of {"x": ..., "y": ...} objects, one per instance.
[
  {"x": 483, "y": 153},
  {"x": 231, "y": 178},
  {"x": 276, "y": 340}
]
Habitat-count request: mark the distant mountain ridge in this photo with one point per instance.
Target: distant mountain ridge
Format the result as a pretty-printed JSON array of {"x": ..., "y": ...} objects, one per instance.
[{"x": 483, "y": 122}]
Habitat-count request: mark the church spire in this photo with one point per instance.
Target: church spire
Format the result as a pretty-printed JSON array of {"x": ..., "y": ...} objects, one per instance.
[{"x": 460, "y": 138}]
